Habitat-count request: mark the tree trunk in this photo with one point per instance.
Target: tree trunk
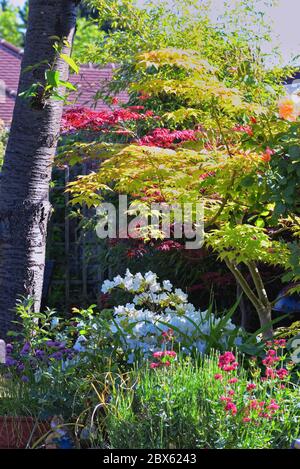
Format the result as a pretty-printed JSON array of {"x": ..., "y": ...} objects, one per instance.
[
  {"x": 265, "y": 318},
  {"x": 26, "y": 173},
  {"x": 260, "y": 301}
]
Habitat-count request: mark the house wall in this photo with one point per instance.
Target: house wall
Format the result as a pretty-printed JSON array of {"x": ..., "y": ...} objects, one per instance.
[{"x": 10, "y": 61}]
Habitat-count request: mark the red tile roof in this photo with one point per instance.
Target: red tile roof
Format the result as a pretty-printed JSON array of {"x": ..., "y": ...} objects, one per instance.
[
  {"x": 88, "y": 82},
  {"x": 10, "y": 61}
]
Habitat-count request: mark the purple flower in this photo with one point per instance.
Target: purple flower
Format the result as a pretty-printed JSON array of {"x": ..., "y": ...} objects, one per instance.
[
  {"x": 55, "y": 344},
  {"x": 25, "y": 349},
  {"x": 21, "y": 366},
  {"x": 51, "y": 343},
  {"x": 9, "y": 348},
  {"x": 10, "y": 361},
  {"x": 25, "y": 379},
  {"x": 40, "y": 353},
  {"x": 56, "y": 355}
]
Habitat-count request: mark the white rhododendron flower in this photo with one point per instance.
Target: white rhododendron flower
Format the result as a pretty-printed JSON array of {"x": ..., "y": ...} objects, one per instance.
[{"x": 157, "y": 307}]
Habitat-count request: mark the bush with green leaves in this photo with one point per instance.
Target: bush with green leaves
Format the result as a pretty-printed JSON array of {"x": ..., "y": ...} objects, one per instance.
[{"x": 200, "y": 405}]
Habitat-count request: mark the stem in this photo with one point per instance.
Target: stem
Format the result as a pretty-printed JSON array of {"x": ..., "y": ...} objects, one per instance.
[
  {"x": 263, "y": 310},
  {"x": 223, "y": 204},
  {"x": 244, "y": 284},
  {"x": 222, "y": 134},
  {"x": 259, "y": 285}
]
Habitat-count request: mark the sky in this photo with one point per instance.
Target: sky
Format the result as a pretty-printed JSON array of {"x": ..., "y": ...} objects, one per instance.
[{"x": 284, "y": 19}]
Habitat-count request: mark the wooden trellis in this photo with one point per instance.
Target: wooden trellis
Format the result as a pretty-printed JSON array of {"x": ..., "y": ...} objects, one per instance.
[{"x": 73, "y": 266}]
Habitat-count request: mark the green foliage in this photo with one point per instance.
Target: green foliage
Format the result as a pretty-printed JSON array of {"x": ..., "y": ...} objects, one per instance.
[
  {"x": 216, "y": 83},
  {"x": 53, "y": 87},
  {"x": 231, "y": 44},
  {"x": 246, "y": 243},
  {"x": 11, "y": 28},
  {"x": 179, "y": 407}
]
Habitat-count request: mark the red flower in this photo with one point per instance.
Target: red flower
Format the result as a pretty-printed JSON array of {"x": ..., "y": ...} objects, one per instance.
[
  {"x": 227, "y": 362},
  {"x": 231, "y": 407},
  {"x": 282, "y": 373},
  {"x": 170, "y": 353},
  {"x": 158, "y": 354},
  {"x": 244, "y": 129},
  {"x": 115, "y": 100},
  {"x": 251, "y": 386},
  {"x": 271, "y": 358},
  {"x": 273, "y": 406},
  {"x": 154, "y": 365},
  {"x": 246, "y": 419},
  {"x": 167, "y": 336},
  {"x": 267, "y": 155},
  {"x": 253, "y": 404},
  {"x": 270, "y": 373},
  {"x": 280, "y": 342},
  {"x": 218, "y": 376},
  {"x": 225, "y": 399},
  {"x": 207, "y": 175}
]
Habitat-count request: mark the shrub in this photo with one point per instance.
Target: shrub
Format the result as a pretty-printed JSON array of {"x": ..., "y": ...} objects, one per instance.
[
  {"x": 158, "y": 307},
  {"x": 190, "y": 405}
]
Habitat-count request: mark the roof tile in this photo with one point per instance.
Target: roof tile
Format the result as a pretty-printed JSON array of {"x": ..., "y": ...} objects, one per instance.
[{"x": 89, "y": 80}]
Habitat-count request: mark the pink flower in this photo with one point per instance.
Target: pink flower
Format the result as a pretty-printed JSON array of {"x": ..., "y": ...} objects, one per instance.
[
  {"x": 265, "y": 415},
  {"x": 170, "y": 353},
  {"x": 227, "y": 362},
  {"x": 273, "y": 405},
  {"x": 231, "y": 367},
  {"x": 231, "y": 392},
  {"x": 166, "y": 353},
  {"x": 244, "y": 129},
  {"x": 246, "y": 419},
  {"x": 253, "y": 404},
  {"x": 270, "y": 373},
  {"x": 158, "y": 354},
  {"x": 251, "y": 386},
  {"x": 271, "y": 358},
  {"x": 167, "y": 335},
  {"x": 233, "y": 380},
  {"x": 218, "y": 376},
  {"x": 231, "y": 407},
  {"x": 154, "y": 365},
  {"x": 281, "y": 343},
  {"x": 282, "y": 373},
  {"x": 224, "y": 399}
]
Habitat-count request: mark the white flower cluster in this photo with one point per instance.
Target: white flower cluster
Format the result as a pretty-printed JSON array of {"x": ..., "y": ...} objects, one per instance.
[{"x": 157, "y": 307}]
